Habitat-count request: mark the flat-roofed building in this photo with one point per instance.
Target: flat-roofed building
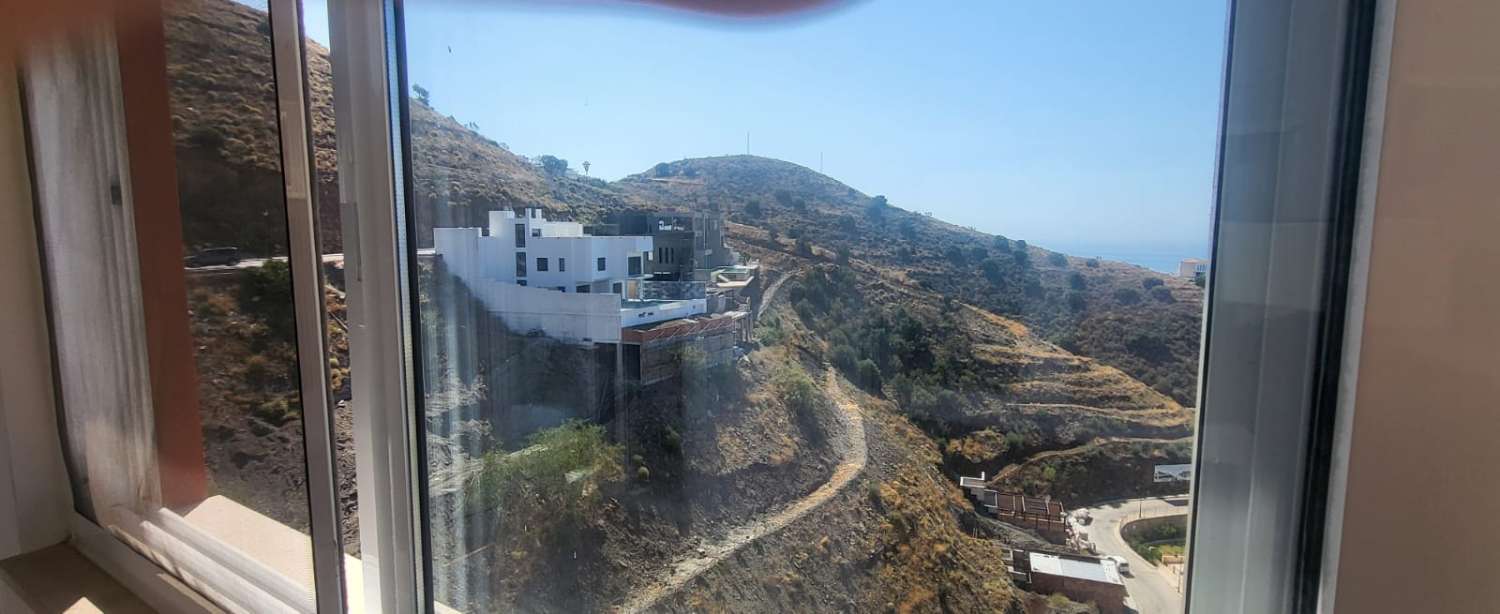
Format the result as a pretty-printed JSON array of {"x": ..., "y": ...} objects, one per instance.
[{"x": 1084, "y": 579}]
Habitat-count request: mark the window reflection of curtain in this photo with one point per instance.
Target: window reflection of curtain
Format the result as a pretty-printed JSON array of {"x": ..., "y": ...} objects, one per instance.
[{"x": 88, "y": 238}]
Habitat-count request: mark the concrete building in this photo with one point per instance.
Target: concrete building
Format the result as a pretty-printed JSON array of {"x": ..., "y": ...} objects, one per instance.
[
  {"x": 687, "y": 245},
  {"x": 552, "y": 278},
  {"x": 1084, "y": 579},
  {"x": 1192, "y": 268}
]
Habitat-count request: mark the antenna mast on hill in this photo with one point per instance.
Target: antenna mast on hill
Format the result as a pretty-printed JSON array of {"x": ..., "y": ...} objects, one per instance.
[
  {"x": 820, "y": 163},
  {"x": 747, "y": 142}
]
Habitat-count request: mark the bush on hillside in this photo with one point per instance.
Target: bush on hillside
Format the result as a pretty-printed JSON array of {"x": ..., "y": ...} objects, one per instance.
[
  {"x": 1076, "y": 281},
  {"x": 1057, "y": 259},
  {"x": 1151, "y": 282}
]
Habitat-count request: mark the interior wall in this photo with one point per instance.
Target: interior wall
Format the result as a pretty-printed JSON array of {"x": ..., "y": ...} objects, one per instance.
[
  {"x": 1423, "y": 488},
  {"x": 35, "y": 502}
]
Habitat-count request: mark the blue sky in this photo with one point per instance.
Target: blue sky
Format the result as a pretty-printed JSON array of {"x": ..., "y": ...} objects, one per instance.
[{"x": 1088, "y": 127}]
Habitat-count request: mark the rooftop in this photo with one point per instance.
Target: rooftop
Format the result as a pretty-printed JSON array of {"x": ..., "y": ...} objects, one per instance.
[{"x": 1080, "y": 567}]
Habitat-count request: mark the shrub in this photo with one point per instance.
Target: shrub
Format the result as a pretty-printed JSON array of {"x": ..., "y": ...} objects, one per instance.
[
  {"x": 265, "y": 293},
  {"x": 1092, "y": 263},
  {"x": 1162, "y": 294},
  {"x": 548, "y": 487},
  {"x": 1057, "y": 259},
  {"x": 1076, "y": 281},
  {"x": 804, "y": 248},
  {"x": 956, "y": 255},
  {"x": 554, "y": 165},
  {"x": 908, "y": 230},
  {"x": 753, "y": 208},
  {"x": 843, "y": 255},
  {"x": 274, "y": 412},
  {"x": 844, "y": 358},
  {"x": 795, "y": 388},
  {"x": 1151, "y": 282},
  {"x": 671, "y": 441},
  {"x": 1002, "y": 244},
  {"x": 1127, "y": 296},
  {"x": 877, "y": 208},
  {"x": 869, "y": 374},
  {"x": 1077, "y": 301}
]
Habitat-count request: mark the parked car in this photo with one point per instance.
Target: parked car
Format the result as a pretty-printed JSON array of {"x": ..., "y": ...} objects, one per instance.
[
  {"x": 1120, "y": 563},
  {"x": 214, "y": 256}
]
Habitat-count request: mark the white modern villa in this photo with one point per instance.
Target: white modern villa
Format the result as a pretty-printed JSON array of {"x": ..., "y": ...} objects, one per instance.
[{"x": 551, "y": 278}]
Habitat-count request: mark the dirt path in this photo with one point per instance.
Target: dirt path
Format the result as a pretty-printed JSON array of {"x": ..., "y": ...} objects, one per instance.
[
  {"x": 770, "y": 294},
  {"x": 848, "y": 441},
  {"x": 1011, "y": 469}
]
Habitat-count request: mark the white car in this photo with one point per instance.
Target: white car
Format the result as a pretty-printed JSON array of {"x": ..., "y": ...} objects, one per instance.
[{"x": 1120, "y": 563}]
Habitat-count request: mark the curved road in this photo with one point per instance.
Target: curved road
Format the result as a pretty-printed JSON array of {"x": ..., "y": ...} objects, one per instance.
[
  {"x": 849, "y": 442},
  {"x": 1152, "y": 588}
]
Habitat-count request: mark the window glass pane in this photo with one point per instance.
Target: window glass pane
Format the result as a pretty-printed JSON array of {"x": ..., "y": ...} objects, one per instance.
[
  {"x": 179, "y": 356},
  {"x": 909, "y": 319}
]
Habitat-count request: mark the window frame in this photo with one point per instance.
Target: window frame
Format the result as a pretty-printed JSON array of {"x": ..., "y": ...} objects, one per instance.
[
  {"x": 1292, "y": 128},
  {"x": 374, "y": 160}
]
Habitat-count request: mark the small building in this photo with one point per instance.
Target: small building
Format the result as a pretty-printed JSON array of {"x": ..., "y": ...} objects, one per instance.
[
  {"x": 1084, "y": 579},
  {"x": 1192, "y": 268},
  {"x": 1044, "y": 515},
  {"x": 652, "y": 351}
]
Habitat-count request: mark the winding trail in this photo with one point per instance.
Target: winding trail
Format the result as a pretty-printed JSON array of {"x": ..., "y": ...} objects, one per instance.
[
  {"x": 769, "y": 295},
  {"x": 1096, "y": 442},
  {"x": 848, "y": 441}
]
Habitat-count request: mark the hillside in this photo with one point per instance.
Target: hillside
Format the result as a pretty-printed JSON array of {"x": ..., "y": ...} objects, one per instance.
[
  {"x": 1103, "y": 309},
  {"x": 223, "y": 117},
  {"x": 961, "y": 351}
]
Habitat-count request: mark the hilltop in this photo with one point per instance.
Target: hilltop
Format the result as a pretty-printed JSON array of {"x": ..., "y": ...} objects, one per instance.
[
  {"x": 962, "y": 352},
  {"x": 1140, "y": 321}
]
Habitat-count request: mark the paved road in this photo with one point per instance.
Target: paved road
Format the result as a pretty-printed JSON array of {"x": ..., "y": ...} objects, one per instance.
[
  {"x": 250, "y": 263},
  {"x": 1153, "y": 589}
]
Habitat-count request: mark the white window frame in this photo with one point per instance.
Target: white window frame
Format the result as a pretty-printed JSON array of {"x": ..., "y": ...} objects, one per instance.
[{"x": 1280, "y": 264}]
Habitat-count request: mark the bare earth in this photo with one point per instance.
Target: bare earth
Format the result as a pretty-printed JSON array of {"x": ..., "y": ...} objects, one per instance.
[{"x": 848, "y": 442}]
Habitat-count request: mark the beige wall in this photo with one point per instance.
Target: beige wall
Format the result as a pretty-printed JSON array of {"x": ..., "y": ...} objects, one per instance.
[{"x": 1421, "y": 528}]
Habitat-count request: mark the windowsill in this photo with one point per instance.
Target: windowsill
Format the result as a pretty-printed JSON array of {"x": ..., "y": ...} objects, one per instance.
[
  {"x": 59, "y": 579},
  {"x": 280, "y": 548}
]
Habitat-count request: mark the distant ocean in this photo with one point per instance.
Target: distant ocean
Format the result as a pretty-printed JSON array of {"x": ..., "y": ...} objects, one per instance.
[{"x": 1157, "y": 258}]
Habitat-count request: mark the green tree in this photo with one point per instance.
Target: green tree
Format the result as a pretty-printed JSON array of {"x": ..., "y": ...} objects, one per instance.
[
  {"x": 753, "y": 208},
  {"x": 662, "y": 169},
  {"x": 803, "y": 248},
  {"x": 1127, "y": 296},
  {"x": 1162, "y": 294},
  {"x": 876, "y": 209},
  {"x": 1151, "y": 282},
  {"x": 1057, "y": 259},
  {"x": 956, "y": 255},
  {"x": 423, "y": 95},
  {"x": 1076, "y": 281},
  {"x": 554, "y": 165},
  {"x": 868, "y": 374}
]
